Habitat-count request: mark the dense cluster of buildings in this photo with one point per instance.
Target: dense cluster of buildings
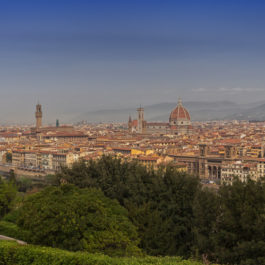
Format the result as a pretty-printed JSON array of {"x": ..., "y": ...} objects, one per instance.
[{"x": 216, "y": 151}]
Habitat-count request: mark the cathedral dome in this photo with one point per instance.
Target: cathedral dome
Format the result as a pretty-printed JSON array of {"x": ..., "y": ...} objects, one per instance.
[{"x": 179, "y": 113}]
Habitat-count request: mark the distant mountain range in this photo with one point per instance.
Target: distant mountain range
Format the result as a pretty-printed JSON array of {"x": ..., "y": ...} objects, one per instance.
[
  {"x": 255, "y": 113},
  {"x": 199, "y": 111}
]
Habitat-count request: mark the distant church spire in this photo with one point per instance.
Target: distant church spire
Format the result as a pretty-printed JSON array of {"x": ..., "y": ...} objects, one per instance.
[
  {"x": 140, "y": 119},
  {"x": 130, "y": 124}
]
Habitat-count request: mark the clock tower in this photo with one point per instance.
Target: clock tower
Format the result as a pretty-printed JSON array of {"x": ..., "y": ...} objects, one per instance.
[{"x": 38, "y": 115}]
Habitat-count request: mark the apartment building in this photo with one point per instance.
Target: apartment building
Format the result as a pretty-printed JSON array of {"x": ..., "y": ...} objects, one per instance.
[{"x": 239, "y": 169}]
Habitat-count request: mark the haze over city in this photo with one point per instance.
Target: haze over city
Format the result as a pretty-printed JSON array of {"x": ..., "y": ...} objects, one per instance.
[
  {"x": 81, "y": 56},
  {"x": 132, "y": 132}
]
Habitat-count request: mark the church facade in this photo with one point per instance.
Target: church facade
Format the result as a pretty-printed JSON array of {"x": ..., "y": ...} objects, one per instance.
[{"x": 179, "y": 122}]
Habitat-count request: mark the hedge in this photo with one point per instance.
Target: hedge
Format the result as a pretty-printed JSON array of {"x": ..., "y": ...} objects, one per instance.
[
  {"x": 13, "y": 254},
  {"x": 12, "y": 230}
]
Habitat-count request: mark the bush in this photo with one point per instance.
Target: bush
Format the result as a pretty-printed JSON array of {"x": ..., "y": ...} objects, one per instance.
[
  {"x": 24, "y": 184},
  {"x": 7, "y": 195},
  {"x": 11, "y": 217},
  {"x": 78, "y": 219},
  {"x": 12, "y": 230},
  {"x": 11, "y": 253}
]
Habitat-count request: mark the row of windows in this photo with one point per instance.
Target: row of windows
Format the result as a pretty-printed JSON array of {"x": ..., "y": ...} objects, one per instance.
[{"x": 177, "y": 123}]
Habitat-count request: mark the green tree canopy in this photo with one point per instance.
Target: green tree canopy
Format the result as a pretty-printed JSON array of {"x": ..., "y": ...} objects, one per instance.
[
  {"x": 205, "y": 209},
  {"x": 78, "y": 219},
  {"x": 239, "y": 230},
  {"x": 7, "y": 195},
  {"x": 159, "y": 202},
  {"x": 8, "y": 157},
  {"x": 175, "y": 215}
]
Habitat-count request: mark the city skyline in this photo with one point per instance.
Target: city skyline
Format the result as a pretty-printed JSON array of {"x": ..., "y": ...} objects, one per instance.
[
  {"x": 80, "y": 56},
  {"x": 132, "y": 132}
]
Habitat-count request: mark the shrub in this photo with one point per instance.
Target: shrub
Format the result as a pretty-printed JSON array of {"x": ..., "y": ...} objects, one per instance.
[
  {"x": 12, "y": 230},
  {"x": 78, "y": 219},
  {"x": 11, "y": 253},
  {"x": 7, "y": 195}
]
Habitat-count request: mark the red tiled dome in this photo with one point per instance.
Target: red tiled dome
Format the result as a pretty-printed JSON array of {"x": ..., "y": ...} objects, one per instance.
[{"x": 179, "y": 113}]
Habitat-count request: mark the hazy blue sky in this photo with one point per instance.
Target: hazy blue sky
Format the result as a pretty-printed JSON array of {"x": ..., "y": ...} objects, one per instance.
[{"x": 75, "y": 56}]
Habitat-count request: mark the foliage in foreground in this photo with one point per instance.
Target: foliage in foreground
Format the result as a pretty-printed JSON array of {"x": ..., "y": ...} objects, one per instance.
[
  {"x": 12, "y": 253},
  {"x": 12, "y": 230},
  {"x": 238, "y": 232},
  {"x": 230, "y": 225},
  {"x": 78, "y": 219},
  {"x": 7, "y": 195},
  {"x": 159, "y": 202},
  {"x": 175, "y": 216}
]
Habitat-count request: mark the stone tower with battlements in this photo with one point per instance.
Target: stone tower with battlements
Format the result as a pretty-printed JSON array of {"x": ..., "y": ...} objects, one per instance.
[{"x": 38, "y": 115}]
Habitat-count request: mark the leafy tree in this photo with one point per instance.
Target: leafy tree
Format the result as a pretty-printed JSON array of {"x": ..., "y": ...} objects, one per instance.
[
  {"x": 175, "y": 216},
  {"x": 205, "y": 209},
  {"x": 8, "y": 157},
  {"x": 159, "y": 202},
  {"x": 239, "y": 236},
  {"x": 7, "y": 195},
  {"x": 11, "y": 176},
  {"x": 24, "y": 184},
  {"x": 78, "y": 219},
  {"x": 172, "y": 223}
]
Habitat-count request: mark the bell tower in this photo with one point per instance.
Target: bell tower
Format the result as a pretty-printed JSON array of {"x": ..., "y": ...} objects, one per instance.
[
  {"x": 230, "y": 152},
  {"x": 140, "y": 119},
  {"x": 203, "y": 161},
  {"x": 130, "y": 124},
  {"x": 204, "y": 150},
  {"x": 38, "y": 115}
]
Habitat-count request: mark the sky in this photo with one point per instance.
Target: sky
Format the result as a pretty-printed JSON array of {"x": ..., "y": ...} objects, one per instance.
[{"x": 75, "y": 56}]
